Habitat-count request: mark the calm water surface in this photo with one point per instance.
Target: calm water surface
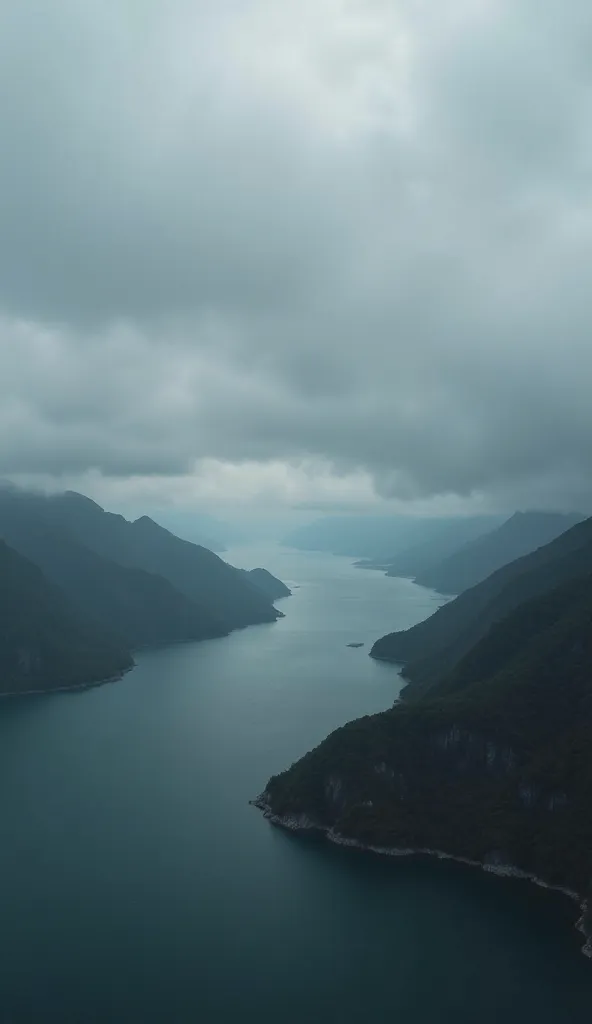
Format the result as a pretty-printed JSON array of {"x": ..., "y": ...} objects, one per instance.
[{"x": 138, "y": 885}]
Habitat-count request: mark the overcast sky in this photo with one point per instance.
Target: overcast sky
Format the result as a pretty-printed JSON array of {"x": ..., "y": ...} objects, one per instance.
[{"x": 314, "y": 253}]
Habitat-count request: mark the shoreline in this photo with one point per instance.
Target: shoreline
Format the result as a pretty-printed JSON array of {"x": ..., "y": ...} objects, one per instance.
[
  {"x": 77, "y": 687},
  {"x": 302, "y": 823}
]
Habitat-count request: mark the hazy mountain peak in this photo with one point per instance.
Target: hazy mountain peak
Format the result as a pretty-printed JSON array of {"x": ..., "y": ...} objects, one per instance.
[{"x": 523, "y": 532}]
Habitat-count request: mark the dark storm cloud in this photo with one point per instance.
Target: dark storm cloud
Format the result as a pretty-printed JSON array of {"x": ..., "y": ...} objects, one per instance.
[{"x": 349, "y": 236}]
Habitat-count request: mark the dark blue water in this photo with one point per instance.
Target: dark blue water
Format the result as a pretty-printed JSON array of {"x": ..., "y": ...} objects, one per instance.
[{"x": 138, "y": 885}]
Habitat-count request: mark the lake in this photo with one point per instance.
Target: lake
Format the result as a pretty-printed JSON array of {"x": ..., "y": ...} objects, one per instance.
[{"x": 138, "y": 885}]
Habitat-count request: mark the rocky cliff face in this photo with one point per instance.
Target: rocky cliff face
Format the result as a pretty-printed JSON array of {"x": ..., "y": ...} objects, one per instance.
[
  {"x": 494, "y": 770},
  {"x": 391, "y": 782}
]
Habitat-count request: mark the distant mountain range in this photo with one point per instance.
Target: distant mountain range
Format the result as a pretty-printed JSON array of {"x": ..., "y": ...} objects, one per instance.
[
  {"x": 488, "y": 759},
  {"x": 383, "y": 539},
  {"x": 430, "y": 650},
  {"x": 200, "y": 528},
  {"x": 132, "y": 583},
  {"x": 443, "y": 539},
  {"x": 476, "y": 560},
  {"x": 448, "y": 555}
]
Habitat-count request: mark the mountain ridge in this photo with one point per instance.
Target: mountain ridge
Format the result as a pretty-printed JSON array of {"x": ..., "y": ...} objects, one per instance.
[
  {"x": 378, "y": 538},
  {"x": 429, "y": 650},
  {"x": 98, "y": 569},
  {"x": 474, "y": 561},
  {"x": 492, "y": 767},
  {"x": 182, "y": 590},
  {"x": 44, "y": 644}
]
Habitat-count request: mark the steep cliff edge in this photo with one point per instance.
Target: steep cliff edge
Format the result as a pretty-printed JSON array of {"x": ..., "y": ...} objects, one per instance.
[{"x": 494, "y": 768}]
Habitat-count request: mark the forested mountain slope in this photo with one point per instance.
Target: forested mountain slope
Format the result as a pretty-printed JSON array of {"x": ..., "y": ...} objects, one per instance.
[{"x": 44, "y": 643}]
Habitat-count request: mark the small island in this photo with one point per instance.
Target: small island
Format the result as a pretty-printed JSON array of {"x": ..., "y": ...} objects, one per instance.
[{"x": 355, "y": 645}]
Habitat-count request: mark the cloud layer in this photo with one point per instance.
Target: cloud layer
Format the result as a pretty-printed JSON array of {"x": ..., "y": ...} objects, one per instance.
[{"x": 310, "y": 250}]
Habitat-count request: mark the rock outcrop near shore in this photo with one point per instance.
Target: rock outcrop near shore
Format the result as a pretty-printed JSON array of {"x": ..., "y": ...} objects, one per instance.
[{"x": 492, "y": 767}]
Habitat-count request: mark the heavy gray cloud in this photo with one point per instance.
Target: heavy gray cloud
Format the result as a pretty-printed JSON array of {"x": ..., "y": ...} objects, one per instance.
[{"x": 317, "y": 250}]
